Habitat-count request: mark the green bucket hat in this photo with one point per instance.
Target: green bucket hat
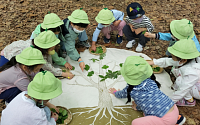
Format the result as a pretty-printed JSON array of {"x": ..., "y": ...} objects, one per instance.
[
  {"x": 182, "y": 29},
  {"x": 46, "y": 39},
  {"x": 79, "y": 16},
  {"x": 30, "y": 56},
  {"x": 184, "y": 49},
  {"x": 45, "y": 86},
  {"x": 51, "y": 21},
  {"x": 135, "y": 70},
  {"x": 105, "y": 16}
]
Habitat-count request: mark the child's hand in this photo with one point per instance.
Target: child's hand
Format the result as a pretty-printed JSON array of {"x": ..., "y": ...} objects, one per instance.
[
  {"x": 68, "y": 66},
  {"x": 134, "y": 105},
  {"x": 139, "y": 30},
  {"x": 150, "y": 62},
  {"x": 68, "y": 75},
  {"x": 48, "y": 104},
  {"x": 112, "y": 90},
  {"x": 54, "y": 115},
  {"x": 150, "y": 35},
  {"x": 132, "y": 27},
  {"x": 93, "y": 47},
  {"x": 82, "y": 65}
]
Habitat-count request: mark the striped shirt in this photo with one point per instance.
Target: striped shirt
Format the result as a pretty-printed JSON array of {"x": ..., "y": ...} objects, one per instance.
[
  {"x": 148, "y": 98},
  {"x": 146, "y": 23}
]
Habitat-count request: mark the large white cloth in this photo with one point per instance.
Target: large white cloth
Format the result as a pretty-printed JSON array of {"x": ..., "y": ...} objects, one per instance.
[{"x": 84, "y": 91}]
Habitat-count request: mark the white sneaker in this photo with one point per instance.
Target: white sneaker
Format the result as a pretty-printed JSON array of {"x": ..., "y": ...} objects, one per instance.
[
  {"x": 130, "y": 44},
  {"x": 139, "y": 48}
]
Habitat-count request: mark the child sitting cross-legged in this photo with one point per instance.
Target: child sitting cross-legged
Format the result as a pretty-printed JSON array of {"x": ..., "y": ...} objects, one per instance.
[
  {"x": 32, "y": 107},
  {"x": 157, "y": 107}
]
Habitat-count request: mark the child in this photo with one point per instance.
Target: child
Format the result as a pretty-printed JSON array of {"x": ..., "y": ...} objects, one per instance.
[
  {"x": 158, "y": 108},
  {"x": 179, "y": 29},
  {"x": 109, "y": 20},
  {"x": 73, "y": 27},
  {"x": 21, "y": 70},
  {"x": 186, "y": 68},
  {"x": 137, "y": 23},
  {"x": 45, "y": 42},
  {"x": 28, "y": 108}
]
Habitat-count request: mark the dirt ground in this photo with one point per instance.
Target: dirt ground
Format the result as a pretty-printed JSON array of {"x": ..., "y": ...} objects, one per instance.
[{"x": 18, "y": 18}]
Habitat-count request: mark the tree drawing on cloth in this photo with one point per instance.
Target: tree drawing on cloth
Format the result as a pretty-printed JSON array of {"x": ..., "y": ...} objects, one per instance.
[{"x": 94, "y": 105}]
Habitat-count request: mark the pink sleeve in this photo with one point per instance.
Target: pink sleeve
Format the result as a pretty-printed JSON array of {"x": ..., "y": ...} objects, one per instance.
[{"x": 22, "y": 83}]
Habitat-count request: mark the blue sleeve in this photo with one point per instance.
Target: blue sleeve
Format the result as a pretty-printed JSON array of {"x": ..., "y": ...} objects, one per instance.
[
  {"x": 96, "y": 32},
  {"x": 165, "y": 36},
  {"x": 122, "y": 93},
  {"x": 118, "y": 15},
  {"x": 196, "y": 42}
]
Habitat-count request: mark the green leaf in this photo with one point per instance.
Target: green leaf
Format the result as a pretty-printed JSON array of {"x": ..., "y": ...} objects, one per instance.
[
  {"x": 93, "y": 51},
  {"x": 94, "y": 59},
  {"x": 118, "y": 73},
  {"x": 151, "y": 19},
  {"x": 109, "y": 71},
  {"x": 144, "y": 32},
  {"x": 121, "y": 64},
  {"x": 63, "y": 70},
  {"x": 105, "y": 67},
  {"x": 101, "y": 76},
  {"x": 60, "y": 110},
  {"x": 64, "y": 112},
  {"x": 87, "y": 67},
  {"x": 73, "y": 68},
  {"x": 90, "y": 73},
  {"x": 53, "y": 110},
  {"x": 102, "y": 55},
  {"x": 116, "y": 44},
  {"x": 102, "y": 80}
]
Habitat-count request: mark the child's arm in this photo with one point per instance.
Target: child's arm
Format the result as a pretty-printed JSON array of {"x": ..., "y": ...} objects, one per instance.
[
  {"x": 186, "y": 81},
  {"x": 95, "y": 36},
  {"x": 119, "y": 15},
  {"x": 163, "y": 62},
  {"x": 48, "y": 104},
  {"x": 119, "y": 94}
]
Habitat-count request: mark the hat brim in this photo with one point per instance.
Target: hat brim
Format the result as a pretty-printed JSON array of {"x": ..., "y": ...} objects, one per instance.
[
  {"x": 183, "y": 55},
  {"x": 52, "y": 25},
  {"x": 139, "y": 80},
  {"x": 174, "y": 33},
  {"x": 46, "y": 96},
  {"x": 105, "y": 21},
  {"x": 29, "y": 62},
  {"x": 46, "y": 46},
  {"x": 74, "y": 20},
  {"x": 135, "y": 16}
]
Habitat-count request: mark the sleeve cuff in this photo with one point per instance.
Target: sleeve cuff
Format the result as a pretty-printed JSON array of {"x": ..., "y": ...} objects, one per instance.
[
  {"x": 78, "y": 58},
  {"x": 157, "y": 36},
  {"x": 64, "y": 63}
]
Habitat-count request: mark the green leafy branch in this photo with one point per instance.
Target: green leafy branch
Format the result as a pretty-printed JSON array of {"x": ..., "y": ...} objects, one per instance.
[{"x": 62, "y": 115}]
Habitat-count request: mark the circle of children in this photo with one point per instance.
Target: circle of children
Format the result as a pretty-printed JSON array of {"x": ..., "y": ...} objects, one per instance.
[{"x": 27, "y": 91}]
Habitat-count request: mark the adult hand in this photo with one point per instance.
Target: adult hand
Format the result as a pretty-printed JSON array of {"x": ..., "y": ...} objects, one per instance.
[
  {"x": 68, "y": 66},
  {"x": 134, "y": 105},
  {"x": 54, "y": 115},
  {"x": 150, "y": 35}
]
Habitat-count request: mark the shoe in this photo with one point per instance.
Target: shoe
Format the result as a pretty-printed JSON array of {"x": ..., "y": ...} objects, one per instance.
[
  {"x": 84, "y": 43},
  {"x": 139, "y": 48},
  {"x": 106, "y": 40},
  {"x": 119, "y": 39},
  {"x": 181, "y": 120},
  {"x": 184, "y": 102},
  {"x": 130, "y": 44}
]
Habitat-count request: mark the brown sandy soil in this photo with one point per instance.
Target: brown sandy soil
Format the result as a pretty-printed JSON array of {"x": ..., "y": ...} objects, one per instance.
[{"x": 18, "y": 18}]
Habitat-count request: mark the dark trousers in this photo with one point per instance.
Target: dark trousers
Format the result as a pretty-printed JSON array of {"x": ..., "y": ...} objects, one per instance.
[
  {"x": 131, "y": 35},
  {"x": 9, "y": 94}
]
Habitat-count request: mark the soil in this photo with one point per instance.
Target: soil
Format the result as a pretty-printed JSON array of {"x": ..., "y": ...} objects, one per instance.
[{"x": 18, "y": 18}]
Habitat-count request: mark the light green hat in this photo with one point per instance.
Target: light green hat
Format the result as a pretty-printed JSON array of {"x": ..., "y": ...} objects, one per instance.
[
  {"x": 30, "y": 56},
  {"x": 105, "y": 16},
  {"x": 51, "y": 21},
  {"x": 79, "y": 16},
  {"x": 182, "y": 29},
  {"x": 135, "y": 70},
  {"x": 184, "y": 49},
  {"x": 45, "y": 86},
  {"x": 46, "y": 39}
]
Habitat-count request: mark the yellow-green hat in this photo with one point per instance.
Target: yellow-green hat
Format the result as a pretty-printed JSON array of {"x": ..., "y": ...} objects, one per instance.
[
  {"x": 182, "y": 29},
  {"x": 51, "y": 21},
  {"x": 135, "y": 70},
  {"x": 44, "y": 86},
  {"x": 46, "y": 39},
  {"x": 79, "y": 16},
  {"x": 30, "y": 56},
  {"x": 105, "y": 16},
  {"x": 184, "y": 49}
]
